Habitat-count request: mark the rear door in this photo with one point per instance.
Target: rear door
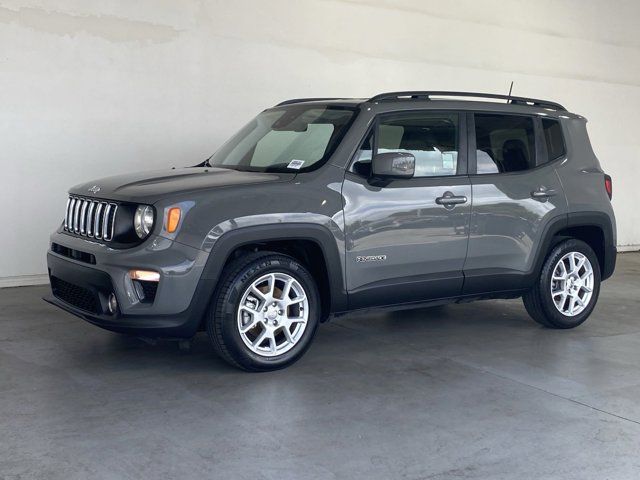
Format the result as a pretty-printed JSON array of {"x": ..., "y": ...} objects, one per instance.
[
  {"x": 516, "y": 195},
  {"x": 405, "y": 240}
]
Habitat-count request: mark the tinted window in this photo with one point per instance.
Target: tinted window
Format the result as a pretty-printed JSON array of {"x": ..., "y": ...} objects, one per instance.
[
  {"x": 504, "y": 143},
  {"x": 432, "y": 138},
  {"x": 554, "y": 138}
]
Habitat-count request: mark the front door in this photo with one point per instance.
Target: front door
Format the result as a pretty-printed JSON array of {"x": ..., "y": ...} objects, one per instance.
[{"x": 406, "y": 239}]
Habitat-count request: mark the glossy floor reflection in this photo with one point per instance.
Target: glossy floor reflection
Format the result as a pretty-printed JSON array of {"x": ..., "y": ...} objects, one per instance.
[{"x": 462, "y": 391}]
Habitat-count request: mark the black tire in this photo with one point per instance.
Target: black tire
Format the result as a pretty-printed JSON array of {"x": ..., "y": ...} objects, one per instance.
[
  {"x": 538, "y": 301},
  {"x": 221, "y": 321}
]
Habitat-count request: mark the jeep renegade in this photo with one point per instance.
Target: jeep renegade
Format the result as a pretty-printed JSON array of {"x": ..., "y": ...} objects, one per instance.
[{"x": 318, "y": 207}]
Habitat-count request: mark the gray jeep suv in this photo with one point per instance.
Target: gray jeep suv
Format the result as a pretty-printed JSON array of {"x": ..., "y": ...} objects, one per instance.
[{"x": 318, "y": 207}]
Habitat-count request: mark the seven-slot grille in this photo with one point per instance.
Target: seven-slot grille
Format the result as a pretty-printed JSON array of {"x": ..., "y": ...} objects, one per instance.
[{"x": 90, "y": 218}]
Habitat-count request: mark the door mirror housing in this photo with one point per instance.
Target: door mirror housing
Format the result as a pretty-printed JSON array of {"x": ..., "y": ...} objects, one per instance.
[{"x": 393, "y": 165}]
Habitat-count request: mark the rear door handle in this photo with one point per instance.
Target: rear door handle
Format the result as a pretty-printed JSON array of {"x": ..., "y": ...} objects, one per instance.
[
  {"x": 449, "y": 200},
  {"x": 543, "y": 192}
]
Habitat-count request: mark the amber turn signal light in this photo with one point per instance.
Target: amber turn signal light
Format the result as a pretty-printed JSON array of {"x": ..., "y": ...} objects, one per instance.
[{"x": 173, "y": 219}]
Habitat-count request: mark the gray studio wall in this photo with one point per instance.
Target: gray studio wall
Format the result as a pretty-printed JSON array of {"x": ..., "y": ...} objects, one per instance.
[{"x": 94, "y": 88}]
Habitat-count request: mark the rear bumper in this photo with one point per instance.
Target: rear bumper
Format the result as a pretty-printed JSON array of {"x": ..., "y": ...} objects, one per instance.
[{"x": 83, "y": 289}]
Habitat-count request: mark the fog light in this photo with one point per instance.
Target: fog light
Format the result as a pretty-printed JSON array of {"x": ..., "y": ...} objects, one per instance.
[{"x": 112, "y": 305}]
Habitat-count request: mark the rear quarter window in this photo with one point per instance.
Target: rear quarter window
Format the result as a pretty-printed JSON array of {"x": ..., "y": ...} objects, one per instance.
[{"x": 554, "y": 138}]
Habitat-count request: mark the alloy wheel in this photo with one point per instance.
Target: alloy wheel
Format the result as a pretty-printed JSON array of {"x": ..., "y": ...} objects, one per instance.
[
  {"x": 273, "y": 313},
  {"x": 572, "y": 284}
]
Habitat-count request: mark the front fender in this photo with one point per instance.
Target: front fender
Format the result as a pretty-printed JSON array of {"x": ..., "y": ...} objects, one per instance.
[{"x": 225, "y": 238}]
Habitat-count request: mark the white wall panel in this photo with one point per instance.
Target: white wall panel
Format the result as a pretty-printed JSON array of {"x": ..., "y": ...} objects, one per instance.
[{"x": 92, "y": 88}]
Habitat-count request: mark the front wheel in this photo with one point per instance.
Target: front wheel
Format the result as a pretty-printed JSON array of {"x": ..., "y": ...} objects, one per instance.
[
  {"x": 265, "y": 313},
  {"x": 568, "y": 288}
]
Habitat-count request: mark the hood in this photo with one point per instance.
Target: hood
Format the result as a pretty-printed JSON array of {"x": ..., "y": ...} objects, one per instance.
[{"x": 149, "y": 187}]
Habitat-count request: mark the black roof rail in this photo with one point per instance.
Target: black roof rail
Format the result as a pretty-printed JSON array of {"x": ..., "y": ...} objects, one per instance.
[
  {"x": 300, "y": 100},
  {"x": 420, "y": 95}
]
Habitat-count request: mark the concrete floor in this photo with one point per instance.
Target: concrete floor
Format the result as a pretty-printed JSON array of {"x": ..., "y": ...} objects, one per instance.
[{"x": 462, "y": 391}]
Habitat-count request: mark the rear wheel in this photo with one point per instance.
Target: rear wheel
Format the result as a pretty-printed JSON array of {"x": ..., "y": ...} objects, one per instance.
[
  {"x": 568, "y": 288},
  {"x": 265, "y": 313}
]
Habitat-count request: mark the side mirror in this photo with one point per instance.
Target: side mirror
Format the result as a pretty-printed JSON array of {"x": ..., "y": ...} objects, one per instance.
[{"x": 393, "y": 165}]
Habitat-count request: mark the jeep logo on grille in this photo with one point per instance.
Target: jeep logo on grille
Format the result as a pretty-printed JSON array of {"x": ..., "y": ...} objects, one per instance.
[
  {"x": 371, "y": 258},
  {"x": 94, "y": 189}
]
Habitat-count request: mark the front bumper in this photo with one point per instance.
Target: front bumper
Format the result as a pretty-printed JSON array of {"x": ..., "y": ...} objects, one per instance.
[{"x": 83, "y": 289}]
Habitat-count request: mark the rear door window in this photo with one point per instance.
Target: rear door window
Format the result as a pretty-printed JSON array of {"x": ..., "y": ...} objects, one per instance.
[{"x": 504, "y": 143}]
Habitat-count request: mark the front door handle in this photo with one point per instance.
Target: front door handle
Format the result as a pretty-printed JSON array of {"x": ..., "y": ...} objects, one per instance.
[
  {"x": 543, "y": 193},
  {"x": 449, "y": 200}
]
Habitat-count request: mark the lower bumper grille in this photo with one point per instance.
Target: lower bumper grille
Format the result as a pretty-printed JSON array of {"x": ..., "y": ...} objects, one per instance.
[
  {"x": 74, "y": 295},
  {"x": 75, "y": 254}
]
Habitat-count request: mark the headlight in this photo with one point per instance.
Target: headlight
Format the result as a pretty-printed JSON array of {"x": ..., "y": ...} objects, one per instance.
[{"x": 143, "y": 220}]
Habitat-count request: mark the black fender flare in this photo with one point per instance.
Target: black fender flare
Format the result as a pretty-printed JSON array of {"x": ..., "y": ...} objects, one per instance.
[
  {"x": 578, "y": 219},
  {"x": 603, "y": 221},
  {"x": 320, "y": 235}
]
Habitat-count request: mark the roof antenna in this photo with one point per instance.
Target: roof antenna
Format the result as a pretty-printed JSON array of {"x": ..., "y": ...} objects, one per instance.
[{"x": 509, "y": 96}]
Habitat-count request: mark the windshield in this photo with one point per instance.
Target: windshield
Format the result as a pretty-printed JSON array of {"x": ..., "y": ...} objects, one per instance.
[{"x": 288, "y": 139}]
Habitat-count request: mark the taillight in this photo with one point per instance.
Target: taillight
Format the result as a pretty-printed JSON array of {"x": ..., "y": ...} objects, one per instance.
[{"x": 608, "y": 186}]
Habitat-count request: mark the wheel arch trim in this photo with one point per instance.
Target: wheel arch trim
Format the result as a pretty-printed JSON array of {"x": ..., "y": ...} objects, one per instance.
[
  {"x": 231, "y": 240},
  {"x": 602, "y": 221},
  {"x": 599, "y": 220}
]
